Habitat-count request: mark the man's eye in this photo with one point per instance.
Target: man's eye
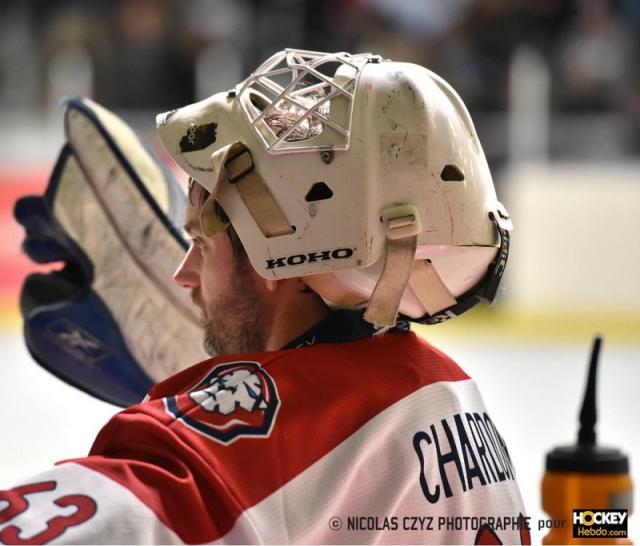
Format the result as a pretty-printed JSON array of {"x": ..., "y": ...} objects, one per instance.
[{"x": 197, "y": 242}]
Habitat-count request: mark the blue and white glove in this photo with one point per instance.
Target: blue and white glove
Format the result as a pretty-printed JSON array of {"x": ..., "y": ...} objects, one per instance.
[{"x": 111, "y": 321}]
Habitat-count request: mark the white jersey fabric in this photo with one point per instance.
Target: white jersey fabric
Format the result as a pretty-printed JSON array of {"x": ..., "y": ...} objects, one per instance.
[{"x": 379, "y": 440}]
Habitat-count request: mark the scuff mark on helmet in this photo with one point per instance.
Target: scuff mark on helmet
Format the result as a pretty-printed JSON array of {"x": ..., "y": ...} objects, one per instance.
[{"x": 197, "y": 167}]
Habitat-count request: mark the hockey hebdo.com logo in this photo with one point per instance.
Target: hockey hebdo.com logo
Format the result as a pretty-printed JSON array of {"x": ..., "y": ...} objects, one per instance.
[{"x": 592, "y": 523}]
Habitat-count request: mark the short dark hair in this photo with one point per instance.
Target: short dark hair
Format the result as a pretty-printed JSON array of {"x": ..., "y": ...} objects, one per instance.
[{"x": 239, "y": 252}]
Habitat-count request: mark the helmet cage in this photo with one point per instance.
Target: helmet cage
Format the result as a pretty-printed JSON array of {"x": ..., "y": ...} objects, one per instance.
[{"x": 315, "y": 89}]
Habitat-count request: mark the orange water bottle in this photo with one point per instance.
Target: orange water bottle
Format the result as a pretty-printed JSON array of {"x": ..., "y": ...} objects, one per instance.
[{"x": 585, "y": 485}]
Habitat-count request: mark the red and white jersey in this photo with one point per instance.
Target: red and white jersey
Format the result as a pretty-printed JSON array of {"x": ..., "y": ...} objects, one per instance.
[{"x": 380, "y": 440}]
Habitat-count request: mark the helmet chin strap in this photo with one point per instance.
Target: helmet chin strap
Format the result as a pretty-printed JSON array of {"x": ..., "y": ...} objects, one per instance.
[
  {"x": 401, "y": 269},
  {"x": 235, "y": 164},
  {"x": 383, "y": 306},
  {"x": 486, "y": 289},
  {"x": 428, "y": 287},
  {"x": 402, "y": 226}
]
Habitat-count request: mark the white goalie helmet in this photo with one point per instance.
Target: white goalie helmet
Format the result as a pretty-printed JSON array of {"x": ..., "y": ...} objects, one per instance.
[{"x": 364, "y": 176}]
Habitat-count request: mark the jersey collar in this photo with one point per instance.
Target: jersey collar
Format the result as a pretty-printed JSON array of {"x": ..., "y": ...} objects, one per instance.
[{"x": 343, "y": 325}]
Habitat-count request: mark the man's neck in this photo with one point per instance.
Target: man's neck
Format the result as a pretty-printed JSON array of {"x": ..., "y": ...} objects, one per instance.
[{"x": 293, "y": 317}]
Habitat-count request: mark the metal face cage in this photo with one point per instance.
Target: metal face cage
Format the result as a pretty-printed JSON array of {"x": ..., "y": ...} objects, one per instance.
[{"x": 313, "y": 92}]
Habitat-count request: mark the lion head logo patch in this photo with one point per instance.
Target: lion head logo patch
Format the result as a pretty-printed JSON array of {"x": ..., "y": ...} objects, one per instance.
[{"x": 237, "y": 399}]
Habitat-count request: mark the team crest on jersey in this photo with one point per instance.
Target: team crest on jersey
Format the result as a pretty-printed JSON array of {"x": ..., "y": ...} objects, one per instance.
[{"x": 234, "y": 400}]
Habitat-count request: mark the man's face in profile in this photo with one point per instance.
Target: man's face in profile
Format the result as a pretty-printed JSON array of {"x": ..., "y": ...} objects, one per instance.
[{"x": 223, "y": 285}]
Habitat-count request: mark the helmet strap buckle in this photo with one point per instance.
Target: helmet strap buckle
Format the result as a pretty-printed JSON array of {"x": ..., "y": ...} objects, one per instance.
[
  {"x": 402, "y": 226},
  {"x": 239, "y": 166}
]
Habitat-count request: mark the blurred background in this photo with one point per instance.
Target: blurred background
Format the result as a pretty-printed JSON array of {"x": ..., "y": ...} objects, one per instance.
[{"x": 554, "y": 89}]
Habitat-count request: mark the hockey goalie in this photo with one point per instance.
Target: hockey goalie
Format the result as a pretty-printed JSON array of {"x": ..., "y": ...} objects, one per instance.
[{"x": 256, "y": 327}]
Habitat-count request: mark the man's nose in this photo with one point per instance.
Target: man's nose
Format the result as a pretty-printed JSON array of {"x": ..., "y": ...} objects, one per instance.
[{"x": 188, "y": 275}]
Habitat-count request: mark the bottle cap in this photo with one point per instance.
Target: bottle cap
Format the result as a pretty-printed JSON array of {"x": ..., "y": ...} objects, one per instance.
[
  {"x": 586, "y": 456},
  {"x": 588, "y": 460}
]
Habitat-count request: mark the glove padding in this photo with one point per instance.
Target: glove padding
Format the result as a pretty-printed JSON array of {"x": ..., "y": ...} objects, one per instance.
[{"x": 110, "y": 322}]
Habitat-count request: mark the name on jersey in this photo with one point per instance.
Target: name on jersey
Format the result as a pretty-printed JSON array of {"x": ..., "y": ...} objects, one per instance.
[{"x": 461, "y": 453}]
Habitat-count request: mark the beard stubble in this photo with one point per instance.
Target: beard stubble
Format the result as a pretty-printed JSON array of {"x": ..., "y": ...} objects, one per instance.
[{"x": 236, "y": 321}]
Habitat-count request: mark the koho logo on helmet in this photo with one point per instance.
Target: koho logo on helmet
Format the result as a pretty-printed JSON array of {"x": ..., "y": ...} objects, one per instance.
[{"x": 319, "y": 256}]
